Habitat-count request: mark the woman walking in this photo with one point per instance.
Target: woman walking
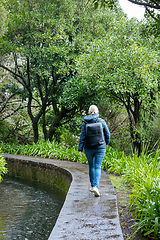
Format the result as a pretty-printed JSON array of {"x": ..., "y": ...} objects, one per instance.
[{"x": 95, "y": 152}]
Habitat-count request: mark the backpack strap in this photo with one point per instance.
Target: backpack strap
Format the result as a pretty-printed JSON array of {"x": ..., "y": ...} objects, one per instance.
[
  {"x": 98, "y": 119},
  {"x": 85, "y": 121}
]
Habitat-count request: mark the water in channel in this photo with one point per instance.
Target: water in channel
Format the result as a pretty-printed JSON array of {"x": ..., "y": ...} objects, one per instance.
[{"x": 28, "y": 210}]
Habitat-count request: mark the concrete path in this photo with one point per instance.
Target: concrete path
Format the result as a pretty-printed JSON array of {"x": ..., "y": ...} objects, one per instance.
[{"x": 83, "y": 216}]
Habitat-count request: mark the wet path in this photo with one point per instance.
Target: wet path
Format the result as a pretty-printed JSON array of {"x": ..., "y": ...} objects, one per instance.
[{"x": 83, "y": 216}]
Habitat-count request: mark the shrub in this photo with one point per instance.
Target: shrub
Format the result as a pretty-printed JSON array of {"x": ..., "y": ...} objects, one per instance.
[{"x": 3, "y": 169}]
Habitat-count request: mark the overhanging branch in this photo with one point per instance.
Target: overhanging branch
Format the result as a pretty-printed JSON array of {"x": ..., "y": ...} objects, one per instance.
[
  {"x": 151, "y": 14},
  {"x": 12, "y": 113},
  {"x": 6, "y": 101},
  {"x": 17, "y": 76},
  {"x": 155, "y": 5}
]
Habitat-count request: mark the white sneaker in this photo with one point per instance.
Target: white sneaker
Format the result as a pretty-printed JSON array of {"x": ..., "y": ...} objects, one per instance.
[
  {"x": 96, "y": 192},
  {"x": 91, "y": 189}
]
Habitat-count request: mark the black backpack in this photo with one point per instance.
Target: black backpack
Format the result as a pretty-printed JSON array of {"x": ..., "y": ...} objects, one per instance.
[{"x": 94, "y": 133}]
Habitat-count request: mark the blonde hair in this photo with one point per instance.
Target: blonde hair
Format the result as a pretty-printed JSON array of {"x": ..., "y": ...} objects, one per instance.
[{"x": 93, "y": 109}]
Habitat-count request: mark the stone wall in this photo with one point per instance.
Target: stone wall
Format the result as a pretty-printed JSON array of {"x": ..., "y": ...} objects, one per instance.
[{"x": 38, "y": 170}]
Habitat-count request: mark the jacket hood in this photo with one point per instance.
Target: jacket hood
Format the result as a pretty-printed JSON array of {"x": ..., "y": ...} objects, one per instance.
[{"x": 91, "y": 118}]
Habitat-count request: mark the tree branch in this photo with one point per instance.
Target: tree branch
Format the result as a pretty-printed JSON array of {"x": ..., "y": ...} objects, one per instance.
[
  {"x": 151, "y": 14},
  {"x": 9, "y": 115},
  {"x": 154, "y": 2},
  {"x": 39, "y": 88},
  {"x": 6, "y": 101},
  {"x": 145, "y": 4},
  {"x": 17, "y": 76}
]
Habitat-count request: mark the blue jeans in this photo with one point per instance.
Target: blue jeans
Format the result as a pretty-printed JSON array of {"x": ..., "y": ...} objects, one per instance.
[{"x": 95, "y": 158}]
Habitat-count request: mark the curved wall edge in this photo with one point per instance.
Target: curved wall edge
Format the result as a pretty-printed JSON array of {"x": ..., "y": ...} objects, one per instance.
[{"x": 39, "y": 171}]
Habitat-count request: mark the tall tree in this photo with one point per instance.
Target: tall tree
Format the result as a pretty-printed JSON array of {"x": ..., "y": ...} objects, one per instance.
[
  {"x": 126, "y": 69},
  {"x": 39, "y": 51}
]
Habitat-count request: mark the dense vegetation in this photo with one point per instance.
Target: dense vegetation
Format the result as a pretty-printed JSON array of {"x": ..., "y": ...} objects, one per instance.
[
  {"x": 3, "y": 169},
  {"x": 57, "y": 59}
]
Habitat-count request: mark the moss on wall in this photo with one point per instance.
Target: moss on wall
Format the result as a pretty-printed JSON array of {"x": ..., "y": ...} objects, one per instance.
[{"x": 39, "y": 171}]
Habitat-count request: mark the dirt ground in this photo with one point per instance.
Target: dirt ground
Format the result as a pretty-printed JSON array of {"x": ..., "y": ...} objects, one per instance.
[{"x": 125, "y": 217}]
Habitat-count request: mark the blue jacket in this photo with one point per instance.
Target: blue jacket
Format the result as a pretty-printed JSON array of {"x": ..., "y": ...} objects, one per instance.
[{"x": 82, "y": 140}]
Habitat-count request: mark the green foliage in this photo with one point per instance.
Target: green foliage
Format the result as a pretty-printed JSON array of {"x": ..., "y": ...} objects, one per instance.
[
  {"x": 121, "y": 63},
  {"x": 123, "y": 67},
  {"x": 103, "y": 3},
  {"x": 68, "y": 138},
  {"x": 4, "y": 131},
  {"x": 2, "y": 17},
  {"x": 150, "y": 131},
  {"x": 116, "y": 119},
  {"x": 3, "y": 169},
  {"x": 16, "y": 130},
  {"x": 40, "y": 46},
  {"x": 144, "y": 178},
  {"x": 114, "y": 161},
  {"x": 142, "y": 174},
  {"x": 46, "y": 150}
]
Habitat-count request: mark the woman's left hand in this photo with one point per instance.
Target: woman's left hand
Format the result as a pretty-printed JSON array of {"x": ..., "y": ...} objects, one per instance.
[{"x": 80, "y": 154}]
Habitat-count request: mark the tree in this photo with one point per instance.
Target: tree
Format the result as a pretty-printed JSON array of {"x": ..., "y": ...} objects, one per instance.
[
  {"x": 42, "y": 42},
  {"x": 122, "y": 66}
]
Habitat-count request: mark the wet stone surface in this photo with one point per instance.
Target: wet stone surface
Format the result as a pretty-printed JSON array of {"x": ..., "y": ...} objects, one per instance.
[{"x": 83, "y": 216}]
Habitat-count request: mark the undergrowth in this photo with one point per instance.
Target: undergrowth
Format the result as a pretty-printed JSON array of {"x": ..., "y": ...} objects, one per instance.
[{"x": 3, "y": 169}]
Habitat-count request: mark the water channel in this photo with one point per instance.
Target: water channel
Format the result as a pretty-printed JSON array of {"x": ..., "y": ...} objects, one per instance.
[{"x": 28, "y": 210}]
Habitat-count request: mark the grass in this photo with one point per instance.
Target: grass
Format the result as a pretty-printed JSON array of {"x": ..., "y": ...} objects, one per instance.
[
  {"x": 3, "y": 169},
  {"x": 121, "y": 188}
]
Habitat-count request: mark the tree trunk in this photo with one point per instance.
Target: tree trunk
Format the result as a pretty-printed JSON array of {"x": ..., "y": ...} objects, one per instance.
[
  {"x": 58, "y": 121},
  {"x": 137, "y": 144},
  {"x": 44, "y": 126},
  {"x": 53, "y": 128},
  {"x": 134, "y": 118},
  {"x": 35, "y": 131},
  {"x": 33, "y": 119}
]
